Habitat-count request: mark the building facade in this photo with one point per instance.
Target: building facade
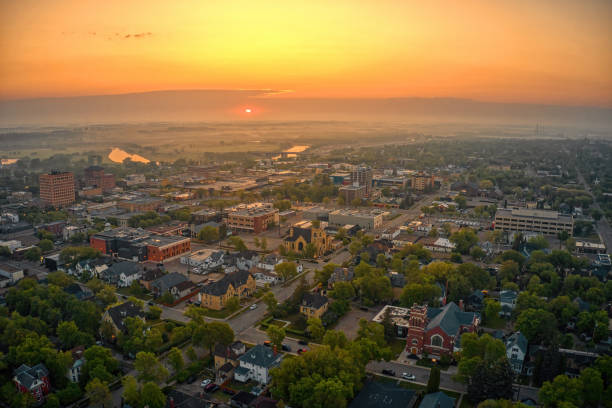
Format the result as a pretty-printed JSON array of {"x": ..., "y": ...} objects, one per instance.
[
  {"x": 362, "y": 176},
  {"x": 57, "y": 188},
  {"x": 422, "y": 182},
  {"x": 238, "y": 284},
  {"x": 255, "y": 220},
  {"x": 95, "y": 176},
  {"x": 527, "y": 220},
  {"x": 350, "y": 193},
  {"x": 304, "y": 233},
  {"x": 33, "y": 380},
  {"x": 365, "y": 219}
]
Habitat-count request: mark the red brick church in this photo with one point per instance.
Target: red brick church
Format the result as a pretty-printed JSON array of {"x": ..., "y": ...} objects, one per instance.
[{"x": 437, "y": 331}]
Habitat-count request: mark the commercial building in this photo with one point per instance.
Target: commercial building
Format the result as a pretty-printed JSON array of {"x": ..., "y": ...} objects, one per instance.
[
  {"x": 422, "y": 182},
  {"x": 9, "y": 275},
  {"x": 539, "y": 221},
  {"x": 362, "y": 176},
  {"x": 57, "y": 188},
  {"x": 253, "y": 219},
  {"x": 365, "y": 219},
  {"x": 96, "y": 177},
  {"x": 352, "y": 192},
  {"x": 141, "y": 204},
  {"x": 140, "y": 245}
]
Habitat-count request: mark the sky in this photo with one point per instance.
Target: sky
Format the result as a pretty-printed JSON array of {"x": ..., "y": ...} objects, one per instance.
[{"x": 544, "y": 51}]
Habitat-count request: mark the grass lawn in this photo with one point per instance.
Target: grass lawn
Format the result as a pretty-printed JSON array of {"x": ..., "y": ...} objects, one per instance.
[
  {"x": 497, "y": 323},
  {"x": 221, "y": 396},
  {"x": 397, "y": 346},
  {"x": 217, "y": 314},
  {"x": 297, "y": 321},
  {"x": 140, "y": 295},
  {"x": 278, "y": 323},
  {"x": 238, "y": 386}
]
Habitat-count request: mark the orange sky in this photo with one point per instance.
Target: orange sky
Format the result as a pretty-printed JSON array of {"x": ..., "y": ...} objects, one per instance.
[{"x": 550, "y": 51}]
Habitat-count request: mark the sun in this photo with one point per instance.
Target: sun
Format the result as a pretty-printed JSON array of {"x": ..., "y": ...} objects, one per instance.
[{"x": 248, "y": 110}]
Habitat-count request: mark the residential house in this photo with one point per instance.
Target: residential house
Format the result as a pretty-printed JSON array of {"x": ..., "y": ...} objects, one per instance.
[
  {"x": 74, "y": 371},
  {"x": 116, "y": 315},
  {"x": 123, "y": 273},
  {"x": 475, "y": 302},
  {"x": 245, "y": 260},
  {"x": 237, "y": 284},
  {"x": 437, "y": 331},
  {"x": 256, "y": 363},
  {"x": 269, "y": 261},
  {"x": 163, "y": 284},
  {"x": 376, "y": 394},
  {"x": 437, "y": 244},
  {"x": 150, "y": 276},
  {"x": 516, "y": 350},
  {"x": 95, "y": 267},
  {"x": 305, "y": 233},
  {"x": 229, "y": 354},
  {"x": 33, "y": 380},
  {"x": 80, "y": 291},
  {"x": 314, "y": 305},
  {"x": 243, "y": 399},
  {"x": 398, "y": 280},
  {"x": 340, "y": 275},
  {"x": 437, "y": 400},
  {"x": 264, "y": 277},
  {"x": 183, "y": 289},
  {"x": 507, "y": 301}
]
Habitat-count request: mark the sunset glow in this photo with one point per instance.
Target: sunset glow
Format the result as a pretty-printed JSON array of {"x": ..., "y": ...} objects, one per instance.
[{"x": 549, "y": 51}]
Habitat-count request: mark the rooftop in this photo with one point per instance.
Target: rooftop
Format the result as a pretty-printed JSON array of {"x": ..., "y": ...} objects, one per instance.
[{"x": 384, "y": 395}]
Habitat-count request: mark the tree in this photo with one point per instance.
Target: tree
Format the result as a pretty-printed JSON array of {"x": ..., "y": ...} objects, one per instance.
[
  {"x": 5, "y": 251},
  {"x": 131, "y": 391},
  {"x": 167, "y": 298},
  {"x": 343, "y": 291},
  {"x": 175, "y": 359},
  {"x": 237, "y": 243},
  {"x": 315, "y": 328},
  {"x": 537, "y": 325},
  {"x": 263, "y": 244},
  {"x": 491, "y": 381},
  {"x": 52, "y": 401},
  {"x": 419, "y": 294},
  {"x": 99, "y": 363},
  {"x": 45, "y": 245},
  {"x": 152, "y": 396},
  {"x": 561, "y": 390},
  {"x": 433, "y": 384},
  {"x": 59, "y": 278},
  {"x": 592, "y": 386},
  {"x": 286, "y": 270},
  {"x": 270, "y": 301},
  {"x": 322, "y": 275},
  {"x": 335, "y": 339},
  {"x": 509, "y": 270},
  {"x": 98, "y": 393},
  {"x": 388, "y": 325},
  {"x": 276, "y": 335},
  {"x": 154, "y": 313},
  {"x": 233, "y": 304},
  {"x": 33, "y": 254},
  {"x": 208, "y": 334},
  {"x": 492, "y": 309},
  {"x": 208, "y": 234},
  {"x": 477, "y": 253},
  {"x": 70, "y": 335},
  {"x": 149, "y": 368},
  {"x": 476, "y": 350},
  {"x": 107, "y": 295}
]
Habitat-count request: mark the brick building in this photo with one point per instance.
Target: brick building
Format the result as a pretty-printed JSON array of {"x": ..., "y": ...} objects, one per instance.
[
  {"x": 95, "y": 176},
  {"x": 57, "y": 188},
  {"x": 33, "y": 380},
  {"x": 253, "y": 219}
]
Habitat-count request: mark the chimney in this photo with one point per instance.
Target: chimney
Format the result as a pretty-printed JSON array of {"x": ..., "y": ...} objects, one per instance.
[
  {"x": 171, "y": 402},
  {"x": 461, "y": 304}
]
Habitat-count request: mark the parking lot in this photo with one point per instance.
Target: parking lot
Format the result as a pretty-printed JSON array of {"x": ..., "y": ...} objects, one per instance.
[{"x": 349, "y": 323}]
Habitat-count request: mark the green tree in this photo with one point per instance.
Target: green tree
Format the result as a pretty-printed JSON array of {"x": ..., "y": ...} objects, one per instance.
[
  {"x": 323, "y": 275},
  {"x": 561, "y": 390},
  {"x": 237, "y": 243},
  {"x": 99, "y": 393},
  {"x": 335, "y": 339},
  {"x": 276, "y": 335},
  {"x": 152, "y": 396},
  {"x": 149, "y": 368},
  {"x": 419, "y": 294},
  {"x": 477, "y": 253},
  {"x": 477, "y": 350},
  {"x": 433, "y": 384},
  {"x": 175, "y": 359},
  {"x": 33, "y": 254},
  {"x": 131, "y": 391},
  {"x": 592, "y": 386},
  {"x": 107, "y": 295},
  {"x": 343, "y": 291},
  {"x": 315, "y": 328},
  {"x": 286, "y": 270},
  {"x": 537, "y": 325},
  {"x": 154, "y": 313},
  {"x": 270, "y": 301},
  {"x": 45, "y": 245},
  {"x": 491, "y": 381},
  {"x": 492, "y": 309},
  {"x": 70, "y": 335},
  {"x": 208, "y": 234},
  {"x": 59, "y": 278},
  {"x": 233, "y": 304}
]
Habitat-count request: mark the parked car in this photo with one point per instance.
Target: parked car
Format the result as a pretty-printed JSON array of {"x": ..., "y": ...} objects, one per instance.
[
  {"x": 388, "y": 372},
  {"x": 408, "y": 376},
  {"x": 210, "y": 388},
  {"x": 253, "y": 306},
  {"x": 303, "y": 342},
  {"x": 151, "y": 303},
  {"x": 205, "y": 382},
  {"x": 285, "y": 347},
  {"x": 191, "y": 379},
  {"x": 365, "y": 309},
  {"x": 302, "y": 350}
]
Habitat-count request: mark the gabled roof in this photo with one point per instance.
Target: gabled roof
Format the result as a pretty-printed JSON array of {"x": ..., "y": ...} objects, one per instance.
[
  {"x": 182, "y": 286},
  {"x": 149, "y": 276},
  {"x": 80, "y": 291},
  {"x": 218, "y": 288},
  {"x": 449, "y": 318},
  {"x": 517, "y": 339},
  {"x": 167, "y": 281},
  {"x": 261, "y": 356},
  {"x": 507, "y": 296},
  {"x": 28, "y": 376},
  {"x": 314, "y": 300},
  {"x": 437, "y": 400},
  {"x": 126, "y": 267},
  {"x": 297, "y": 232},
  {"x": 383, "y": 395},
  {"x": 123, "y": 311},
  {"x": 244, "y": 398}
]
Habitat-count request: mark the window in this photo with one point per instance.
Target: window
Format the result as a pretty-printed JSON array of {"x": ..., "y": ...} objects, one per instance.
[
  {"x": 415, "y": 342},
  {"x": 436, "y": 340}
]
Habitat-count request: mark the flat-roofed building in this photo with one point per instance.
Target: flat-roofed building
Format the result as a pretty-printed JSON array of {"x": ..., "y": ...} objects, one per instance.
[
  {"x": 362, "y": 176},
  {"x": 527, "y": 220},
  {"x": 365, "y": 219},
  {"x": 57, "y": 188},
  {"x": 252, "y": 218},
  {"x": 352, "y": 192}
]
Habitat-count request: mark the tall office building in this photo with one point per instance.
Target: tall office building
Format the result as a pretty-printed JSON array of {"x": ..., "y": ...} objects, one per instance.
[
  {"x": 362, "y": 176},
  {"x": 95, "y": 176},
  {"x": 57, "y": 188}
]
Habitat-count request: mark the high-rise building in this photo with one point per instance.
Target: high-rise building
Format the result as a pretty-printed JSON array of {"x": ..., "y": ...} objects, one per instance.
[
  {"x": 57, "y": 188},
  {"x": 422, "y": 182},
  {"x": 95, "y": 176},
  {"x": 362, "y": 176}
]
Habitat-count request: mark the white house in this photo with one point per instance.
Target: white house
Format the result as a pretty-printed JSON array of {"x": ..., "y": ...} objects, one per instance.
[
  {"x": 264, "y": 277},
  {"x": 246, "y": 260},
  {"x": 74, "y": 371},
  {"x": 204, "y": 259},
  {"x": 123, "y": 273},
  {"x": 256, "y": 363},
  {"x": 507, "y": 301},
  {"x": 516, "y": 350},
  {"x": 268, "y": 262}
]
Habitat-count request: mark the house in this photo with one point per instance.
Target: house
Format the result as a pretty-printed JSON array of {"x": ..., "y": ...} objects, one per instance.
[
  {"x": 398, "y": 280},
  {"x": 399, "y": 318},
  {"x": 256, "y": 363},
  {"x": 163, "y": 284},
  {"x": 80, "y": 291},
  {"x": 437, "y": 400},
  {"x": 305, "y": 233},
  {"x": 516, "y": 350},
  {"x": 122, "y": 274},
  {"x": 204, "y": 259},
  {"x": 229, "y": 354},
  {"x": 117, "y": 315},
  {"x": 178, "y": 399},
  {"x": 74, "y": 371},
  {"x": 438, "y": 331},
  {"x": 33, "y": 380},
  {"x": 183, "y": 289},
  {"x": 264, "y": 277},
  {"x": 236, "y": 284},
  {"x": 243, "y": 400},
  {"x": 507, "y": 301},
  {"x": 269, "y": 261},
  {"x": 340, "y": 275},
  {"x": 245, "y": 260},
  {"x": 376, "y": 394},
  {"x": 475, "y": 302},
  {"x": 437, "y": 244},
  {"x": 314, "y": 305},
  {"x": 149, "y": 276},
  {"x": 95, "y": 267},
  {"x": 11, "y": 273}
]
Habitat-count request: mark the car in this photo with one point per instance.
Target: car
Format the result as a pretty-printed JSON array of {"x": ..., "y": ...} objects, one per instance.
[
  {"x": 413, "y": 357},
  {"x": 302, "y": 350},
  {"x": 285, "y": 347},
  {"x": 388, "y": 372},
  {"x": 123, "y": 297},
  {"x": 205, "y": 382},
  {"x": 151, "y": 303},
  {"x": 364, "y": 308},
  {"x": 253, "y": 306},
  {"x": 303, "y": 342},
  {"x": 210, "y": 388},
  {"x": 229, "y": 391},
  {"x": 191, "y": 379},
  {"x": 189, "y": 302},
  {"x": 408, "y": 376}
]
